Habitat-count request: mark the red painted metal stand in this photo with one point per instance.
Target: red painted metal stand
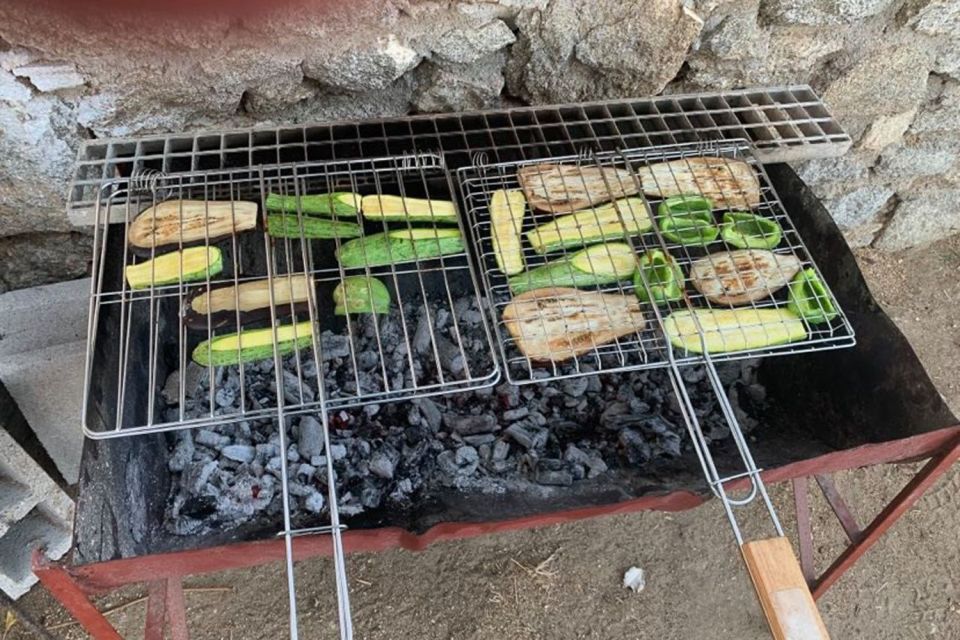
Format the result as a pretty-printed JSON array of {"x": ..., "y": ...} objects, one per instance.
[{"x": 166, "y": 610}]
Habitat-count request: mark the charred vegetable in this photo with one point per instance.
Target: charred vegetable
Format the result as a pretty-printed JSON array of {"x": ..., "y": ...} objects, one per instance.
[
  {"x": 391, "y": 208},
  {"x": 749, "y": 231},
  {"x": 663, "y": 277},
  {"x": 250, "y": 345},
  {"x": 337, "y": 203},
  {"x": 558, "y": 323},
  {"x": 596, "y": 265},
  {"x": 189, "y": 265},
  {"x": 810, "y": 299},
  {"x": 248, "y": 300},
  {"x": 612, "y": 221},
  {"x": 287, "y": 225},
  {"x": 177, "y": 223},
  {"x": 506, "y": 219},
  {"x": 728, "y": 183},
  {"x": 564, "y": 188},
  {"x": 725, "y": 330},
  {"x": 361, "y": 294},
  {"x": 402, "y": 245},
  {"x": 738, "y": 277}
]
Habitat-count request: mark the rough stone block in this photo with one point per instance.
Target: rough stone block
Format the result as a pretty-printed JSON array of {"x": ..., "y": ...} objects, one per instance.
[
  {"x": 833, "y": 177},
  {"x": 467, "y": 45},
  {"x": 922, "y": 218},
  {"x": 822, "y": 12},
  {"x": 460, "y": 87},
  {"x": 363, "y": 69},
  {"x": 39, "y": 529},
  {"x": 891, "y": 79},
  {"x": 904, "y": 163},
  {"x": 941, "y": 115},
  {"x": 886, "y": 130},
  {"x": 62, "y": 306},
  {"x": 51, "y": 77},
  {"x": 859, "y": 213}
]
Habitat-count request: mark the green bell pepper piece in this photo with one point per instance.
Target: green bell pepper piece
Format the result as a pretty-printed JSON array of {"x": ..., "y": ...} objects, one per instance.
[
  {"x": 809, "y": 298},
  {"x": 663, "y": 275},
  {"x": 687, "y": 219},
  {"x": 749, "y": 231}
]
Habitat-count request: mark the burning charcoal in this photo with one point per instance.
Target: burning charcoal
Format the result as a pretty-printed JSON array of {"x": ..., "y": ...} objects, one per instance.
[
  {"x": 267, "y": 450},
  {"x": 757, "y": 393},
  {"x": 509, "y": 395},
  {"x": 318, "y": 461},
  {"x": 224, "y": 397},
  {"x": 239, "y": 452},
  {"x": 382, "y": 465},
  {"x": 469, "y": 425},
  {"x": 314, "y": 502},
  {"x": 367, "y": 360},
  {"x": 515, "y": 414},
  {"x": 574, "y": 387},
  {"x": 481, "y": 439},
  {"x": 451, "y": 358},
  {"x": 293, "y": 453},
  {"x": 597, "y": 467},
  {"x": 501, "y": 449},
  {"x": 573, "y": 454},
  {"x": 371, "y": 410},
  {"x": 440, "y": 319},
  {"x": 551, "y": 471},
  {"x": 334, "y": 346},
  {"x": 693, "y": 374},
  {"x": 306, "y": 470},
  {"x": 421, "y": 338},
  {"x": 299, "y": 489},
  {"x": 211, "y": 439},
  {"x": 467, "y": 459},
  {"x": 485, "y": 451},
  {"x": 371, "y": 495},
  {"x": 667, "y": 437},
  {"x": 197, "y": 475},
  {"x": 618, "y": 416},
  {"x": 430, "y": 411},
  {"x": 338, "y": 451},
  {"x": 182, "y": 452},
  {"x": 310, "y": 438},
  {"x": 578, "y": 471},
  {"x": 538, "y": 418},
  {"x": 635, "y": 448},
  {"x": 274, "y": 465},
  {"x": 527, "y": 437}
]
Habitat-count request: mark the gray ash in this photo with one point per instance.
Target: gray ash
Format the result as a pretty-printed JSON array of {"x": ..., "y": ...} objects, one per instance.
[{"x": 536, "y": 437}]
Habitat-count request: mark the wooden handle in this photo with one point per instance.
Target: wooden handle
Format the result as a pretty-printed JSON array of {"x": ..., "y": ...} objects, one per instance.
[{"x": 790, "y": 610}]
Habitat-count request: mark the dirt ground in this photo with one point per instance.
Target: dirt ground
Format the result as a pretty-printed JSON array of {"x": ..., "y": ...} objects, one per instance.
[{"x": 564, "y": 582}]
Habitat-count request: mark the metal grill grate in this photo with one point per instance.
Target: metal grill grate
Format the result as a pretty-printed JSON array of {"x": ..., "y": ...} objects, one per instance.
[
  {"x": 784, "y": 124},
  {"x": 641, "y": 344},
  {"x": 151, "y": 335}
]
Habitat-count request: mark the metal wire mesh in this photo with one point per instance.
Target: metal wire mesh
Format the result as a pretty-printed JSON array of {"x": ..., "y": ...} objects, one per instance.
[
  {"x": 156, "y": 335},
  {"x": 735, "y": 182}
]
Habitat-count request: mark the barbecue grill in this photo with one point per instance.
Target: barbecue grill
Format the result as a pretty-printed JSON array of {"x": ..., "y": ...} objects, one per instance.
[{"x": 138, "y": 337}]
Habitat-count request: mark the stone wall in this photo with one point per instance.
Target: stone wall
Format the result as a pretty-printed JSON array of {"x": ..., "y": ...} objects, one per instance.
[{"x": 890, "y": 70}]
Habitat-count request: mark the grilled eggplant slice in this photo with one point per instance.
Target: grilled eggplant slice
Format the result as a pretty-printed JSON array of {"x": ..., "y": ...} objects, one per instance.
[
  {"x": 726, "y": 330},
  {"x": 612, "y": 221},
  {"x": 250, "y": 345},
  {"x": 558, "y": 323},
  {"x": 189, "y": 265},
  {"x": 249, "y": 300},
  {"x": 506, "y": 219},
  {"x": 402, "y": 245},
  {"x": 596, "y": 265},
  {"x": 177, "y": 223},
  {"x": 739, "y": 277},
  {"x": 398, "y": 208},
  {"x": 565, "y": 188},
  {"x": 337, "y": 203},
  {"x": 361, "y": 294},
  {"x": 729, "y": 184}
]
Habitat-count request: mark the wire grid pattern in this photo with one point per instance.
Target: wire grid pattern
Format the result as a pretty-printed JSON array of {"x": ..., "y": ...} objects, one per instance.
[
  {"x": 785, "y": 124},
  {"x": 649, "y": 175},
  {"x": 157, "y": 314}
]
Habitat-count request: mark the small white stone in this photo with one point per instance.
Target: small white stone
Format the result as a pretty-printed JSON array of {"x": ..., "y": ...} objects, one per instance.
[{"x": 635, "y": 579}]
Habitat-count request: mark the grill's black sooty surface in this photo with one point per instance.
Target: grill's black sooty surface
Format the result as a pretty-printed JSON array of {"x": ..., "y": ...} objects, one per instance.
[{"x": 130, "y": 503}]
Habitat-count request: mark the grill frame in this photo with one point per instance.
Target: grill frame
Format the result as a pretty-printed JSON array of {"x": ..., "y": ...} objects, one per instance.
[{"x": 785, "y": 124}]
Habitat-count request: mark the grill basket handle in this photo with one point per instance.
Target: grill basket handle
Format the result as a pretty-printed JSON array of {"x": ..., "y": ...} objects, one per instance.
[{"x": 783, "y": 592}]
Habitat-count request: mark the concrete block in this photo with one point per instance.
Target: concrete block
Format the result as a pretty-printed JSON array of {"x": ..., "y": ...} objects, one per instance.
[
  {"x": 34, "y": 512},
  {"x": 47, "y": 385},
  {"x": 40, "y": 317}
]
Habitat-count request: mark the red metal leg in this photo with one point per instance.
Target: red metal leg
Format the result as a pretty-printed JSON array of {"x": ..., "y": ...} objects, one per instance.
[
  {"x": 68, "y": 591},
  {"x": 156, "y": 611},
  {"x": 804, "y": 532},
  {"x": 176, "y": 610},
  {"x": 863, "y": 540}
]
